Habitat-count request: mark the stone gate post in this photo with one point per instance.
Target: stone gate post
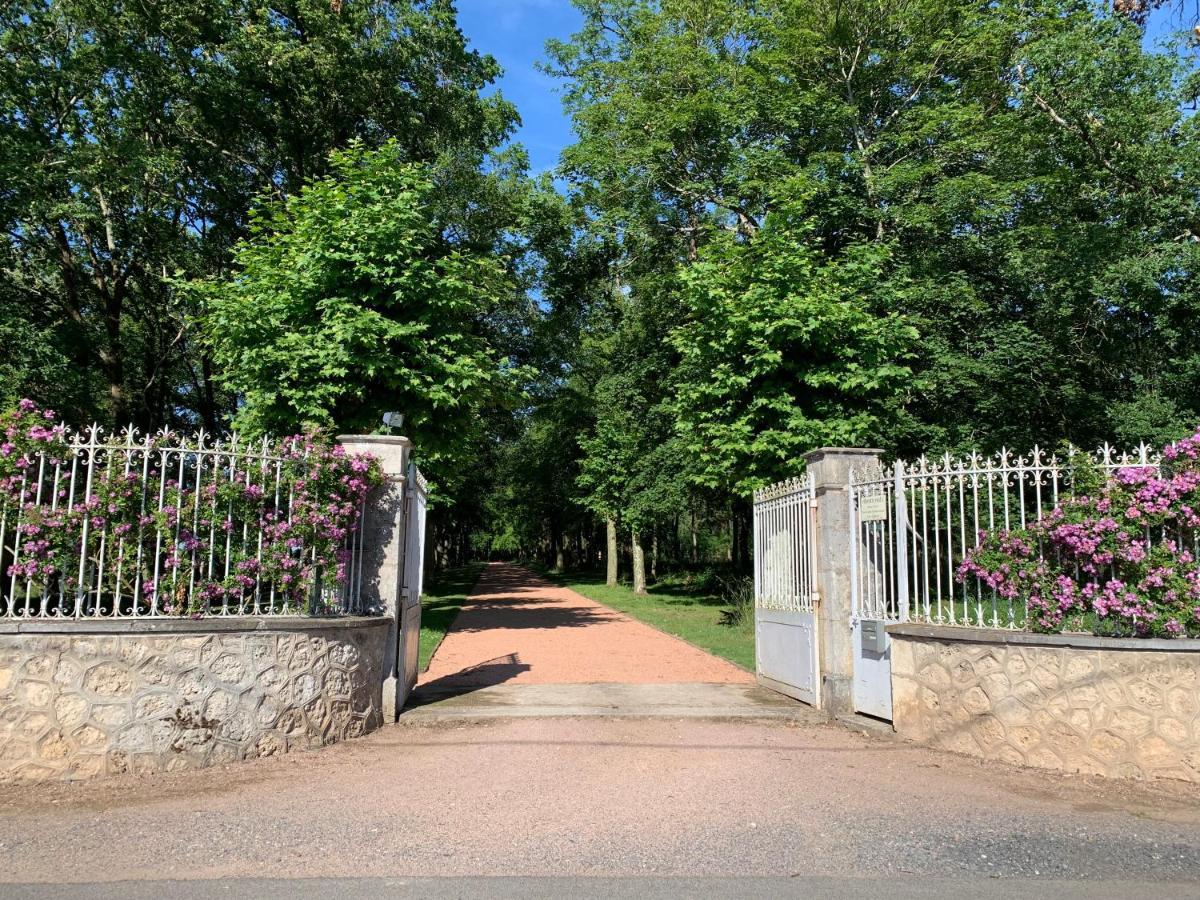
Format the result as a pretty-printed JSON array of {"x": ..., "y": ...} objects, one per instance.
[
  {"x": 831, "y": 467},
  {"x": 383, "y": 545}
]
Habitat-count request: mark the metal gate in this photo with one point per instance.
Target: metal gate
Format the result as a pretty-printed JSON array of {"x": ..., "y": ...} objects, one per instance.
[
  {"x": 417, "y": 494},
  {"x": 878, "y": 586},
  {"x": 785, "y": 598}
]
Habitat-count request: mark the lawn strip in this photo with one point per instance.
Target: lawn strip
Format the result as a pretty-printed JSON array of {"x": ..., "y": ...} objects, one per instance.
[
  {"x": 696, "y": 618},
  {"x": 440, "y": 604}
]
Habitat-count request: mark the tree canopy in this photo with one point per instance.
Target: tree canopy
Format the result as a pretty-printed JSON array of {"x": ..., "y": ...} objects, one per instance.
[
  {"x": 348, "y": 303},
  {"x": 915, "y": 224},
  {"x": 134, "y": 139}
]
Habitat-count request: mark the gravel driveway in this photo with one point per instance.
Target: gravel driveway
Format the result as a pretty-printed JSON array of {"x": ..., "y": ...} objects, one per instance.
[
  {"x": 604, "y": 797},
  {"x": 517, "y": 628}
]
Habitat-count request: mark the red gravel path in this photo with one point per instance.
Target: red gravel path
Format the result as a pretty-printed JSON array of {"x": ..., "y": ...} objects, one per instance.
[{"x": 517, "y": 628}]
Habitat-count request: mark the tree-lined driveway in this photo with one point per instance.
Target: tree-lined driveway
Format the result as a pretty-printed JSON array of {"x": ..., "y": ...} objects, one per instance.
[{"x": 519, "y": 629}]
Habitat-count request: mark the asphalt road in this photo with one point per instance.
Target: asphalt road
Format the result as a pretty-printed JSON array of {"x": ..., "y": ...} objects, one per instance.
[{"x": 502, "y": 888}]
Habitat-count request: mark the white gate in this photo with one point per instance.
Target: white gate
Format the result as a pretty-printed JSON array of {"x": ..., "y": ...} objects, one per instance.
[
  {"x": 878, "y": 587},
  {"x": 415, "y": 501},
  {"x": 785, "y": 598}
]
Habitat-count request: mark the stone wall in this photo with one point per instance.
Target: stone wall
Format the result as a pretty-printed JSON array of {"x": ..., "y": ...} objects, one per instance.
[
  {"x": 1073, "y": 703},
  {"x": 81, "y": 700}
]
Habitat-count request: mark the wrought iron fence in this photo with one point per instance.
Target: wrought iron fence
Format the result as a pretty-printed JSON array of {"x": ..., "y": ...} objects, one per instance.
[
  {"x": 784, "y": 570},
  {"x": 914, "y": 524},
  {"x": 168, "y": 525},
  {"x": 875, "y": 576}
]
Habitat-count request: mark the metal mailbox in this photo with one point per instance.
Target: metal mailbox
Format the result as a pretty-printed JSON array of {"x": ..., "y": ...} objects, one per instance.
[{"x": 874, "y": 636}]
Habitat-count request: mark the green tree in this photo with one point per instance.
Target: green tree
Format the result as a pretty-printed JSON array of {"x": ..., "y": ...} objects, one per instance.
[
  {"x": 135, "y": 137},
  {"x": 1024, "y": 167},
  {"x": 785, "y": 350},
  {"x": 348, "y": 302}
]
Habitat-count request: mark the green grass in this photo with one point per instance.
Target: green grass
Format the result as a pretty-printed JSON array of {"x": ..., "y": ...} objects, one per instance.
[
  {"x": 693, "y": 615},
  {"x": 440, "y": 604}
]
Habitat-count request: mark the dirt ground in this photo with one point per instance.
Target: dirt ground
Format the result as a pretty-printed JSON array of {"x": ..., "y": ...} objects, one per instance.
[{"x": 602, "y": 796}]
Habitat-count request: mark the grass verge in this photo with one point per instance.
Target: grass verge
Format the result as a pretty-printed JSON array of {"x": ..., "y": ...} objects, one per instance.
[
  {"x": 440, "y": 604},
  {"x": 693, "y": 616}
]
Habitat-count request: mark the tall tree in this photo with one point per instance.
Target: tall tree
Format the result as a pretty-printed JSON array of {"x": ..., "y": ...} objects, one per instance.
[
  {"x": 1020, "y": 172},
  {"x": 135, "y": 137},
  {"x": 348, "y": 302}
]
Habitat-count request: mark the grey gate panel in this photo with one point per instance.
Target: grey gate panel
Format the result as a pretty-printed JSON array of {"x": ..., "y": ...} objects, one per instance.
[{"x": 785, "y": 600}]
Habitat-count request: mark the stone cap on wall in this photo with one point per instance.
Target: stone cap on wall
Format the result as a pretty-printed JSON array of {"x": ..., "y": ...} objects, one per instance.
[
  {"x": 1005, "y": 636},
  {"x": 222, "y": 624},
  {"x": 821, "y": 452},
  {"x": 374, "y": 439}
]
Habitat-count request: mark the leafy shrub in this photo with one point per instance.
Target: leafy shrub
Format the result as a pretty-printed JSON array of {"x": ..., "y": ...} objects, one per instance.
[
  {"x": 1119, "y": 559},
  {"x": 151, "y": 531},
  {"x": 738, "y": 593}
]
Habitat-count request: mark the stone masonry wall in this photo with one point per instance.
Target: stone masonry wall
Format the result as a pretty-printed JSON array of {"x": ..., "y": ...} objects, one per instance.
[
  {"x": 82, "y": 705},
  {"x": 1038, "y": 701}
]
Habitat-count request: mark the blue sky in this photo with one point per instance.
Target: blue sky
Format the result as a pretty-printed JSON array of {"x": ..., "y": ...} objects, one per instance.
[{"x": 515, "y": 32}]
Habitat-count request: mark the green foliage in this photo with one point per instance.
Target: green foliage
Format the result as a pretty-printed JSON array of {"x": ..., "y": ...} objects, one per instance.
[
  {"x": 909, "y": 223},
  {"x": 135, "y": 136},
  {"x": 921, "y": 224},
  {"x": 1023, "y": 166},
  {"x": 347, "y": 303},
  {"x": 784, "y": 350}
]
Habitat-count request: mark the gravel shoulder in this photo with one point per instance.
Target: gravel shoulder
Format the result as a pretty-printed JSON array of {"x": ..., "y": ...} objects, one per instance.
[{"x": 599, "y": 797}]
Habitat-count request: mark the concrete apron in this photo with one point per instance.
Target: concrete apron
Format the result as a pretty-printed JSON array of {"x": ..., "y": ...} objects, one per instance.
[{"x": 609, "y": 700}]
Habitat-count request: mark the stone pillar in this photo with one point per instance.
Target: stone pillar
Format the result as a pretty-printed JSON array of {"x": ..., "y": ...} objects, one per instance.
[
  {"x": 831, "y": 467},
  {"x": 383, "y": 544}
]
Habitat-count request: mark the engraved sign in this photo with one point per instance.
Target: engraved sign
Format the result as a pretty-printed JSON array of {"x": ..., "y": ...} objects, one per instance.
[{"x": 872, "y": 507}]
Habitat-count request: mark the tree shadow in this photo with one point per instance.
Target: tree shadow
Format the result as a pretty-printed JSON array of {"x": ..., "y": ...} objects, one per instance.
[
  {"x": 678, "y": 595},
  {"x": 531, "y": 616},
  {"x": 465, "y": 681},
  {"x": 671, "y": 593}
]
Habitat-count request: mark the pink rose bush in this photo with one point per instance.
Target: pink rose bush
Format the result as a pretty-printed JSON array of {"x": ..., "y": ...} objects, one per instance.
[
  {"x": 1118, "y": 559},
  {"x": 165, "y": 528}
]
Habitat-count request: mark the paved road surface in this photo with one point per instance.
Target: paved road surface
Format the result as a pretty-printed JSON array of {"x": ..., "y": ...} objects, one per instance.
[
  {"x": 518, "y": 629},
  {"x": 503, "y": 888}
]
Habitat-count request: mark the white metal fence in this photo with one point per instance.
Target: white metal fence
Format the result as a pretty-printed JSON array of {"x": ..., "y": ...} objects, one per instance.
[
  {"x": 161, "y": 525},
  {"x": 914, "y": 524},
  {"x": 874, "y": 575},
  {"x": 784, "y": 566}
]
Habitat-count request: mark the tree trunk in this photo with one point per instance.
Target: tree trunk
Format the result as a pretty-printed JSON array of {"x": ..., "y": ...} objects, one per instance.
[
  {"x": 611, "y": 551},
  {"x": 654, "y": 555},
  {"x": 639, "y": 564},
  {"x": 695, "y": 539},
  {"x": 741, "y": 545},
  {"x": 560, "y": 561}
]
